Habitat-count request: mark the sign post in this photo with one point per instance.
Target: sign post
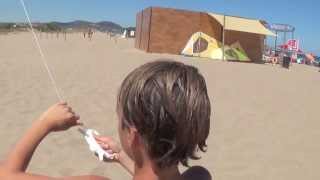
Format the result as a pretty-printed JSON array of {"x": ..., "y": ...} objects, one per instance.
[{"x": 293, "y": 45}]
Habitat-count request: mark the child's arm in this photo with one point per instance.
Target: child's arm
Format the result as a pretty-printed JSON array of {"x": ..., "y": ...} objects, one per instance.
[
  {"x": 19, "y": 158},
  {"x": 58, "y": 118},
  {"x": 122, "y": 158}
]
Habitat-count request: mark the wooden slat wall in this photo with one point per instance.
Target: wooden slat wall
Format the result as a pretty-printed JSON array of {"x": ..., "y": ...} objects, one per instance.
[
  {"x": 138, "y": 30},
  {"x": 251, "y": 43},
  {"x": 211, "y": 26},
  {"x": 145, "y": 30},
  {"x": 171, "y": 29}
]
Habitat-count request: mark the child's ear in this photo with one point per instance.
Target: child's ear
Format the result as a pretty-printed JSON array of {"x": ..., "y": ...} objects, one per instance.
[
  {"x": 133, "y": 137},
  {"x": 136, "y": 146}
]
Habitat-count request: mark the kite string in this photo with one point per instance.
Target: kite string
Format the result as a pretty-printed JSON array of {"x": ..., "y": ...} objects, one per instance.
[{"x": 43, "y": 58}]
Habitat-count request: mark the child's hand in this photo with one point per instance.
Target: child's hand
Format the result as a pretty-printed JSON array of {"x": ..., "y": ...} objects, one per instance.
[
  {"x": 109, "y": 145},
  {"x": 60, "y": 117},
  {"x": 112, "y": 147}
]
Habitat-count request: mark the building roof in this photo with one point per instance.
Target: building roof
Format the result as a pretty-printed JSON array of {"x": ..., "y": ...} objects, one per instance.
[{"x": 242, "y": 24}]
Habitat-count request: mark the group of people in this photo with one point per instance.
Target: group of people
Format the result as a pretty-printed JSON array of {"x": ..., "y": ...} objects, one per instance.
[
  {"x": 286, "y": 59},
  {"x": 88, "y": 34},
  {"x": 278, "y": 57},
  {"x": 283, "y": 58},
  {"x": 113, "y": 36},
  {"x": 57, "y": 34},
  {"x": 163, "y": 111}
]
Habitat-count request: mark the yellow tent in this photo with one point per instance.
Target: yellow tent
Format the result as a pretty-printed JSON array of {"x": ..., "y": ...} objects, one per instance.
[{"x": 202, "y": 45}]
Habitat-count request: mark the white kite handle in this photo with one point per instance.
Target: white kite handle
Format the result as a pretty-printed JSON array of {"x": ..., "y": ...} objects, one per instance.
[{"x": 94, "y": 146}]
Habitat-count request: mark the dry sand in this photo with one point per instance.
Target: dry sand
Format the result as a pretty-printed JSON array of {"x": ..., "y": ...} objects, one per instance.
[{"x": 265, "y": 124}]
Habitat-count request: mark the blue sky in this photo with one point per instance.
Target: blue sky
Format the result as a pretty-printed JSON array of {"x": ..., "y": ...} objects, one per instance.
[{"x": 304, "y": 15}]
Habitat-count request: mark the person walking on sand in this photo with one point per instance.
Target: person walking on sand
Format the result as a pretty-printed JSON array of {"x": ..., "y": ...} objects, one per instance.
[{"x": 90, "y": 34}]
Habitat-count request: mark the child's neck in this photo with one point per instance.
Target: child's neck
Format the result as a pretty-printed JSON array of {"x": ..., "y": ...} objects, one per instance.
[{"x": 148, "y": 171}]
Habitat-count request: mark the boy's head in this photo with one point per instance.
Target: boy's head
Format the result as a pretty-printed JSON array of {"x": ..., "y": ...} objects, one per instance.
[{"x": 167, "y": 104}]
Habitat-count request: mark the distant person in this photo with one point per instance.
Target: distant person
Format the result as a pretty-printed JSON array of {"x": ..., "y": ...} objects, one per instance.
[
  {"x": 163, "y": 120},
  {"x": 115, "y": 38},
  {"x": 90, "y": 34},
  {"x": 109, "y": 35},
  {"x": 112, "y": 35},
  {"x": 294, "y": 57},
  {"x": 65, "y": 35}
]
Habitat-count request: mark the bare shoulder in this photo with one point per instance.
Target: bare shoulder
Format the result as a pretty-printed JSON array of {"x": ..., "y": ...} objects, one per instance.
[
  {"x": 89, "y": 177},
  {"x": 197, "y": 173}
]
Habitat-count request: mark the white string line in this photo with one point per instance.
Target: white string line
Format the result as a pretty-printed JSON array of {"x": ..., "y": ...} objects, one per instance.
[{"x": 43, "y": 58}]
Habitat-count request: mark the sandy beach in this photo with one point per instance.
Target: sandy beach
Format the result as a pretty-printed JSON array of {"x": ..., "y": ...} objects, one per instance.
[{"x": 265, "y": 121}]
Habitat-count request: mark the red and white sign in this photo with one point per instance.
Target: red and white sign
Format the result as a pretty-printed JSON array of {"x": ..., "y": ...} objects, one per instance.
[{"x": 293, "y": 45}]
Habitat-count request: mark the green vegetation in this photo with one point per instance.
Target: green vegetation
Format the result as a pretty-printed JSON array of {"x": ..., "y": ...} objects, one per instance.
[
  {"x": 48, "y": 27},
  {"x": 104, "y": 26},
  {"x": 7, "y": 26},
  {"x": 44, "y": 27}
]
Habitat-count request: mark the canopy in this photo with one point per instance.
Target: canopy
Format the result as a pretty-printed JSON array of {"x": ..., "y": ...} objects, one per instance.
[{"x": 242, "y": 24}]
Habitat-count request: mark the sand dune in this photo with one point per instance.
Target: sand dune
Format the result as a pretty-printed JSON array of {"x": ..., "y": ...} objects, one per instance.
[{"x": 265, "y": 123}]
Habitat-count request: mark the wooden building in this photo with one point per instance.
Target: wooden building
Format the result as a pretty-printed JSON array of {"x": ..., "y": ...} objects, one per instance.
[{"x": 165, "y": 30}]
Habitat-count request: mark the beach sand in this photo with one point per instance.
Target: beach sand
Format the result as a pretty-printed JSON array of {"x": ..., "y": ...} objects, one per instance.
[{"x": 265, "y": 122}]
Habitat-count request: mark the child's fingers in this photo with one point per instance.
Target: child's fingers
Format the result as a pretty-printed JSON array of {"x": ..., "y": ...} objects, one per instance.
[
  {"x": 79, "y": 123},
  {"x": 105, "y": 146},
  {"x": 63, "y": 103},
  {"x": 76, "y": 117},
  {"x": 72, "y": 117},
  {"x": 103, "y": 139},
  {"x": 109, "y": 151},
  {"x": 98, "y": 138},
  {"x": 74, "y": 121},
  {"x": 68, "y": 109}
]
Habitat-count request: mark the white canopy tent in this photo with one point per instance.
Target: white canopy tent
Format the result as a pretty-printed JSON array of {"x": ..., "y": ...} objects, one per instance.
[{"x": 240, "y": 24}]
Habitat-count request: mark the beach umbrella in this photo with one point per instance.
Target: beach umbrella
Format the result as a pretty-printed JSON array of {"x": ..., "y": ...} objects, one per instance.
[{"x": 310, "y": 57}]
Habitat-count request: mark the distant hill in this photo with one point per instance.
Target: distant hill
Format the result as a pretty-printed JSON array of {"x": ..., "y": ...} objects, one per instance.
[
  {"x": 82, "y": 25},
  {"x": 78, "y": 25}
]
